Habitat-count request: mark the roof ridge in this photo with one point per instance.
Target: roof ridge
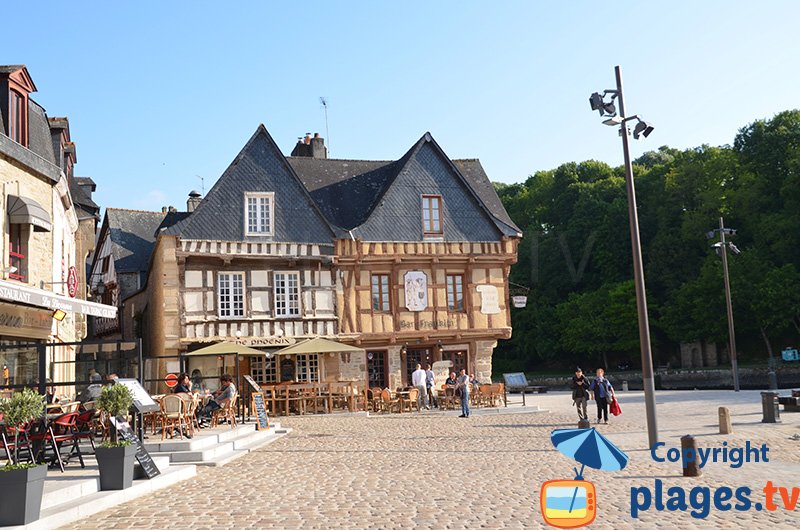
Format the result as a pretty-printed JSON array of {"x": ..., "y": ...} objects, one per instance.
[
  {"x": 133, "y": 210},
  {"x": 338, "y": 159}
]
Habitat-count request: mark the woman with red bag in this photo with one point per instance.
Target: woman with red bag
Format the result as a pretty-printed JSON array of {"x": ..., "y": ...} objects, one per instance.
[{"x": 603, "y": 394}]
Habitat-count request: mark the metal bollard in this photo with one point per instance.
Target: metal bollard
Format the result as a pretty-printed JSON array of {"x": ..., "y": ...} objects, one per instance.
[
  {"x": 769, "y": 408},
  {"x": 688, "y": 444},
  {"x": 725, "y": 425},
  {"x": 624, "y": 386},
  {"x": 584, "y": 424}
]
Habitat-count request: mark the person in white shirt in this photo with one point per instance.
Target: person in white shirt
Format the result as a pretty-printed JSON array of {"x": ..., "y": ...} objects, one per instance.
[{"x": 418, "y": 379}]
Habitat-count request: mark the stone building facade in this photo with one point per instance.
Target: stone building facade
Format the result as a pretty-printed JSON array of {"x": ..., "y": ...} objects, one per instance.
[
  {"x": 42, "y": 291},
  {"x": 407, "y": 259}
]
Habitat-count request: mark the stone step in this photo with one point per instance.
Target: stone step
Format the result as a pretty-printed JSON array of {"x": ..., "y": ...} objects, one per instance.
[
  {"x": 204, "y": 454},
  {"x": 60, "y": 489},
  {"x": 203, "y": 438},
  {"x": 78, "y": 507},
  {"x": 242, "y": 446}
]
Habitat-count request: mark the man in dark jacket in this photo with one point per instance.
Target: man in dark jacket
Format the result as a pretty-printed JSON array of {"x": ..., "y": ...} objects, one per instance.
[{"x": 580, "y": 393}]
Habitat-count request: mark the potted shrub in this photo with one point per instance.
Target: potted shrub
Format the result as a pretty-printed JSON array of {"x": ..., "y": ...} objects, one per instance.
[
  {"x": 21, "y": 485},
  {"x": 115, "y": 458}
]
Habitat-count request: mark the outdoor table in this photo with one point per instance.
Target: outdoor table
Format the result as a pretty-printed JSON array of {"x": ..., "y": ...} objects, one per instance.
[{"x": 404, "y": 397}]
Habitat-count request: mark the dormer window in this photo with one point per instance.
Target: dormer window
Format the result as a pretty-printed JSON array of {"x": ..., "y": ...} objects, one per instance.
[
  {"x": 18, "y": 117},
  {"x": 432, "y": 215},
  {"x": 259, "y": 214}
]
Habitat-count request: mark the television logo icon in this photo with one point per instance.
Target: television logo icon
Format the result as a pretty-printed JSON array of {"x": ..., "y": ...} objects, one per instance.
[{"x": 568, "y": 503}]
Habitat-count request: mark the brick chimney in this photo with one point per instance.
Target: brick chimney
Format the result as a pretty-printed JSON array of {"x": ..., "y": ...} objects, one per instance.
[
  {"x": 310, "y": 147},
  {"x": 193, "y": 201}
]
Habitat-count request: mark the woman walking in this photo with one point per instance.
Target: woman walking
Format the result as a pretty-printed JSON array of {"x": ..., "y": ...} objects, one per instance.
[{"x": 603, "y": 394}]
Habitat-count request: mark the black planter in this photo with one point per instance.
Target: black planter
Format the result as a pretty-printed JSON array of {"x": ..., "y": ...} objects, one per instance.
[
  {"x": 21, "y": 497},
  {"x": 116, "y": 467}
]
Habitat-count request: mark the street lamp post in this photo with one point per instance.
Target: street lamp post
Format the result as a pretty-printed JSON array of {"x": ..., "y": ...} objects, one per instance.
[
  {"x": 645, "y": 129},
  {"x": 731, "y": 332}
]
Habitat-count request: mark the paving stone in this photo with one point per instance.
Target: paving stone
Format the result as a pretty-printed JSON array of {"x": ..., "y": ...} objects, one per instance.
[{"x": 434, "y": 471}]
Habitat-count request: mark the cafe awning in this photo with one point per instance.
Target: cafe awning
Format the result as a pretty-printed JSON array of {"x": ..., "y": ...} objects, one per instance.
[
  {"x": 26, "y": 211},
  {"x": 225, "y": 348},
  {"x": 318, "y": 345}
]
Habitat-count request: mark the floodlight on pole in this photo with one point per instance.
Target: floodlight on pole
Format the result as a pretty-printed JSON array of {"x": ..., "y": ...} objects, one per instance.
[
  {"x": 636, "y": 249},
  {"x": 642, "y": 128}
]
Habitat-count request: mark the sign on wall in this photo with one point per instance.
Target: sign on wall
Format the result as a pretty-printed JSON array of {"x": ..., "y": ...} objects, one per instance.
[
  {"x": 416, "y": 288},
  {"x": 72, "y": 281},
  {"x": 21, "y": 321},
  {"x": 490, "y": 302}
]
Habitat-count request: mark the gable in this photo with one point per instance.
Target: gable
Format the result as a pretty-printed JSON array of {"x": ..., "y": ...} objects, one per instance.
[
  {"x": 260, "y": 167},
  {"x": 426, "y": 171}
]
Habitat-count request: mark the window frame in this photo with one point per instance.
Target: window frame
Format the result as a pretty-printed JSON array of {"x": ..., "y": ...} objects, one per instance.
[
  {"x": 259, "y": 196},
  {"x": 231, "y": 308},
  {"x": 454, "y": 308},
  {"x": 286, "y": 314},
  {"x": 306, "y": 365},
  {"x": 384, "y": 303},
  {"x": 18, "y": 117},
  {"x": 433, "y": 231},
  {"x": 264, "y": 370}
]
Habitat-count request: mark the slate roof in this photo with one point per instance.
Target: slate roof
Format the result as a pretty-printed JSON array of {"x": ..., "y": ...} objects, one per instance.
[
  {"x": 132, "y": 234},
  {"x": 347, "y": 191},
  {"x": 259, "y": 167}
]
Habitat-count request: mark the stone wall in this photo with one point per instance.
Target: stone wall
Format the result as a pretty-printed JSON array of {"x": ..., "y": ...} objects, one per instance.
[{"x": 722, "y": 378}]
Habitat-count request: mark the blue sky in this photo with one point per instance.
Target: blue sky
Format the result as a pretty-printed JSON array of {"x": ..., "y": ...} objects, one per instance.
[{"x": 160, "y": 92}]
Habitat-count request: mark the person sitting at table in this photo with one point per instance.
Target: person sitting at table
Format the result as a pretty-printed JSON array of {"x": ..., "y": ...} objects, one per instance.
[
  {"x": 184, "y": 385},
  {"x": 474, "y": 380},
  {"x": 451, "y": 381},
  {"x": 93, "y": 391},
  {"x": 220, "y": 397}
]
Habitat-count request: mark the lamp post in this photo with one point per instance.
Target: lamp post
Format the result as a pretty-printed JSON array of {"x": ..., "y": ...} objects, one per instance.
[
  {"x": 642, "y": 128},
  {"x": 722, "y": 246}
]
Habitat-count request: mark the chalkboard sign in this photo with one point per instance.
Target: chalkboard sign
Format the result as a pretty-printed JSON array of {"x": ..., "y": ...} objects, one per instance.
[
  {"x": 125, "y": 432},
  {"x": 252, "y": 383},
  {"x": 261, "y": 411},
  {"x": 142, "y": 401}
]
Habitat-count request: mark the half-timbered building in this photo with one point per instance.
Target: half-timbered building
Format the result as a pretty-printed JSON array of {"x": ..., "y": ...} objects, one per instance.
[
  {"x": 251, "y": 262},
  {"x": 423, "y": 267}
]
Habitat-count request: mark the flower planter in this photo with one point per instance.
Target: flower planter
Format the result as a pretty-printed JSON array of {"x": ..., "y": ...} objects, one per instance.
[
  {"x": 116, "y": 467},
  {"x": 21, "y": 497}
]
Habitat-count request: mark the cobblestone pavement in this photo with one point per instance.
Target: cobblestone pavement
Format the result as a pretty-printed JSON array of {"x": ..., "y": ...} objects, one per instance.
[{"x": 438, "y": 471}]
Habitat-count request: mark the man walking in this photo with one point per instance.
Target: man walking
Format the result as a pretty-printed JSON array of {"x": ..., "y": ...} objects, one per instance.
[
  {"x": 580, "y": 393},
  {"x": 418, "y": 382},
  {"x": 463, "y": 386},
  {"x": 430, "y": 385}
]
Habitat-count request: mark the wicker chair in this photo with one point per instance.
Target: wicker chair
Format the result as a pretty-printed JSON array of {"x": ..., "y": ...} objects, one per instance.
[
  {"x": 389, "y": 403},
  {"x": 413, "y": 394},
  {"x": 227, "y": 412},
  {"x": 375, "y": 398},
  {"x": 173, "y": 414}
]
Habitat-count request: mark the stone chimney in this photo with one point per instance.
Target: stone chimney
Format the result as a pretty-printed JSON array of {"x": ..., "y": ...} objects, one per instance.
[
  {"x": 193, "y": 201},
  {"x": 310, "y": 147}
]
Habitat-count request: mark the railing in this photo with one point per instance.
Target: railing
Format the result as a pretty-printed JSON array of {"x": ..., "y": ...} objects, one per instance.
[
  {"x": 105, "y": 325},
  {"x": 284, "y": 399}
]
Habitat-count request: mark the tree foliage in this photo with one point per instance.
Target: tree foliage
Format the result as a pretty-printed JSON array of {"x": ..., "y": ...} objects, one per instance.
[{"x": 576, "y": 254}]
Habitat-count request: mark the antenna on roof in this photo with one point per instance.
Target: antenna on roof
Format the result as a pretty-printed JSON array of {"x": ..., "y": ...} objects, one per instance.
[
  {"x": 324, "y": 101},
  {"x": 202, "y": 185}
]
